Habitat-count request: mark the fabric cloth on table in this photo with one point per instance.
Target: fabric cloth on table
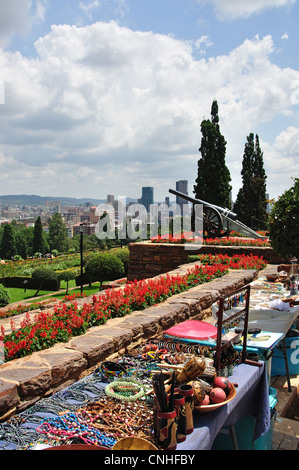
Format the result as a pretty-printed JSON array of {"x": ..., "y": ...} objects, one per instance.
[{"x": 252, "y": 398}]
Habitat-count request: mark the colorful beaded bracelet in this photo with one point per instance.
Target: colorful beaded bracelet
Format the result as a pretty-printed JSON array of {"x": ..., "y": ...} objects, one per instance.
[{"x": 124, "y": 389}]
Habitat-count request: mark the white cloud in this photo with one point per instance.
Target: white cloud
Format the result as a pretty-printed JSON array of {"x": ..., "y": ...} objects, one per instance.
[
  {"x": 233, "y": 9},
  {"x": 89, "y": 6},
  {"x": 18, "y": 16},
  {"x": 283, "y": 158},
  {"x": 128, "y": 106}
]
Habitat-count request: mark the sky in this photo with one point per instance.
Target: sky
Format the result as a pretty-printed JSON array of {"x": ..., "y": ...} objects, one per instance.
[{"x": 103, "y": 97}]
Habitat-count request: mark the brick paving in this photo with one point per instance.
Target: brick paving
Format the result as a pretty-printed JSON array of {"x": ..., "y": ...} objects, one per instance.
[{"x": 282, "y": 441}]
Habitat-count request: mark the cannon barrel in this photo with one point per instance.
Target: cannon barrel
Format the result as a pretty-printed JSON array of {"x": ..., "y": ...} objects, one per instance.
[{"x": 223, "y": 211}]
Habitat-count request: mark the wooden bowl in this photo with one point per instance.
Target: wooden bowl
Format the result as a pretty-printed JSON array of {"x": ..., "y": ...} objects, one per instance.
[
  {"x": 133, "y": 443},
  {"x": 215, "y": 406},
  {"x": 77, "y": 447},
  {"x": 272, "y": 277}
]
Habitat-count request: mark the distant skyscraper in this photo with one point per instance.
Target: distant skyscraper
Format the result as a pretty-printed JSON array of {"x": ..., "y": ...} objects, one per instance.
[
  {"x": 182, "y": 187},
  {"x": 147, "y": 197},
  {"x": 110, "y": 199}
]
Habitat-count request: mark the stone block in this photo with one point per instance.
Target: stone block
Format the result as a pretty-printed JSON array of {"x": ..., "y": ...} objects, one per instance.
[
  {"x": 94, "y": 348},
  {"x": 149, "y": 324},
  {"x": 9, "y": 397},
  {"x": 121, "y": 337},
  {"x": 32, "y": 376},
  {"x": 64, "y": 363}
]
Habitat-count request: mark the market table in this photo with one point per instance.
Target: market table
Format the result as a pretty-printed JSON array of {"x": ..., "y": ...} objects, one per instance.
[
  {"x": 269, "y": 313},
  {"x": 252, "y": 398}
]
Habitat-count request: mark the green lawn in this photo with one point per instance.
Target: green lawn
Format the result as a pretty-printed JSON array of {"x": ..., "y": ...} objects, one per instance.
[{"x": 18, "y": 295}]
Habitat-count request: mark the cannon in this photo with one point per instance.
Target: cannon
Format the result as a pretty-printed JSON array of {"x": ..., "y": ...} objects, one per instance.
[{"x": 217, "y": 221}]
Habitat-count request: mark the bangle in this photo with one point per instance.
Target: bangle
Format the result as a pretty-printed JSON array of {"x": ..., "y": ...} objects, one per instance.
[{"x": 124, "y": 389}]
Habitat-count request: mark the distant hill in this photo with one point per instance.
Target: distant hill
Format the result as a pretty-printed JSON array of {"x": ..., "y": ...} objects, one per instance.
[{"x": 33, "y": 200}]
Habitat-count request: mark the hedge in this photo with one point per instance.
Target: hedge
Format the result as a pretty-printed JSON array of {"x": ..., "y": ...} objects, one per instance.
[{"x": 19, "y": 282}]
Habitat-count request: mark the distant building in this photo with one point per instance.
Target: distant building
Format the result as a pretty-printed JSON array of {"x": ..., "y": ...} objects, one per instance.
[
  {"x": 147, "y": 197},
  {"x": 182, "y": 187},
  {"x": 110, "y": 199},
  {"x": 93, "y": 215}
]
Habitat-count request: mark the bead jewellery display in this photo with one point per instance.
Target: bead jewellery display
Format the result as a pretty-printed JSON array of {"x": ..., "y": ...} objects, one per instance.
[
  {"x": 70, "y": 426},
  {"x": 125, "y": 389},
  {"x": 110, "y": 369},
  {"x": 118, "y": 419},
  {"x": 224, "y": 323},
  {"x": 181, "y": 347}
]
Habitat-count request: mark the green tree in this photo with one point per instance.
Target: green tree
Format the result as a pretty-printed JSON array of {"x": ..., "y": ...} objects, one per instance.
[
  {"x": 8, "y": 243},
  {"x": 4, "y": 296},
  {"x": 104, "y": 267},
  {"x": 57, "y": 233},
  {"x": 67, "y": 275},
  {"x": 39, "y": 239},
  {"x": 213, "y": 176},
  {"x": 251, "y": 203},
  {"x": 123, "y": 254},
  {"x": 42, "y": 276},
  {"x": 284, "y": 223}
]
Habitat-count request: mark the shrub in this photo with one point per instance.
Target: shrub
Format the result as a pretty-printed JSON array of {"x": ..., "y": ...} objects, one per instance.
[
  {"x": 67, "y": 275},
  {"x": 284, "y": 223},
  {"x": 4, "y": 296},
  {"x": 44, "y": 277},
  {"x": 123, "y": 254},
  {"x": 104, "y": 267}
]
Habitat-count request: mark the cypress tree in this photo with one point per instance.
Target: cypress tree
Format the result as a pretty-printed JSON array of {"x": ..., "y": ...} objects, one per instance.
[
  {"x": 251, "y": 203},
  {"x": 8, "y": 244},
  {"x": 39, "y": 241},
  {"x": 213, "y": 177}
]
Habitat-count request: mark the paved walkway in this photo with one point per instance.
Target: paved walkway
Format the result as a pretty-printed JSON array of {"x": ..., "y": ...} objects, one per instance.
[{"x": 286, "y": 431}]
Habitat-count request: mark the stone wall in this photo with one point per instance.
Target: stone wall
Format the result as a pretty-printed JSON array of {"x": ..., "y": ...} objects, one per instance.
[
  {"x": 151, "y": 259},
  {"x": 27, "y": 380}
]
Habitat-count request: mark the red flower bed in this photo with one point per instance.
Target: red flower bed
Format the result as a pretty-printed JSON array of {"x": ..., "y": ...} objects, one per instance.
[
  {"x": 236, "y": 241},
  {"x": 225, "y": 241},
  {"x": 233, "y": 261},
  {"x": 21, "y": 308}
]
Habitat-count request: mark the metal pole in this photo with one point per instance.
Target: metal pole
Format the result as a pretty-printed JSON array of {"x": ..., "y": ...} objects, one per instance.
[{"x": 81, "y": 257}]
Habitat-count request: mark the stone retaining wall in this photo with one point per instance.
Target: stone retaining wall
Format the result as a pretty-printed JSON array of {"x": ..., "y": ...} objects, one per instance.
[
  {"x": 25, "y": 381},
  {"x": 151, "y": 259}
]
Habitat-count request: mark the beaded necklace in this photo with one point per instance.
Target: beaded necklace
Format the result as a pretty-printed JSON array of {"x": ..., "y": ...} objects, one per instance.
[
  {"x": 125, "y": 389},
  {"x": 69, "y": 426}
]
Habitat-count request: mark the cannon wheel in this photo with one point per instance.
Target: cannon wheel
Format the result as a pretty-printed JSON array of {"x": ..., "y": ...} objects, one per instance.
[{"x": 212, "y": 222}]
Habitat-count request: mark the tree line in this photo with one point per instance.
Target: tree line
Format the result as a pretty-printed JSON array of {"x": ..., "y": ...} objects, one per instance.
[
  {"x": 18, "y": 241},
  {"x": 213, "y": 176}
]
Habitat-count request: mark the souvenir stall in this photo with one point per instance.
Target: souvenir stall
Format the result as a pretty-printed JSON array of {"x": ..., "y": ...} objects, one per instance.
[
  {"x": 168, "y": 394},
  {"x": 157, "y": 400},
  {"x": 275, "y": 308}
]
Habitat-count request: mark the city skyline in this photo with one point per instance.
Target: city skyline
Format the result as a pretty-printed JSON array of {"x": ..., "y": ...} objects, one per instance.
[{"x": 108, "y": 96}]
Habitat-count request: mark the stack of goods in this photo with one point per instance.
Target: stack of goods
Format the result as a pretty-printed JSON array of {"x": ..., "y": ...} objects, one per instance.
[{"x": 176, "y": 399}]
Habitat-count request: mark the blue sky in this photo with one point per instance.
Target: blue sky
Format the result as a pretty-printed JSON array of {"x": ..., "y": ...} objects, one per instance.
[{"x": 107, "y": 96}]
